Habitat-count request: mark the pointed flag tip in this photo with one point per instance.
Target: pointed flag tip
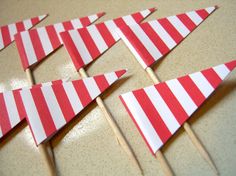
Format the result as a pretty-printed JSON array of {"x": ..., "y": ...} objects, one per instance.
[
  {"x": 101, "y": 14},
  {"x": 43, "y": 16},
  {"x": 120, "y": 73},
  {"x": 231, "y": 65},
  {"x": 153, "y": 9}
]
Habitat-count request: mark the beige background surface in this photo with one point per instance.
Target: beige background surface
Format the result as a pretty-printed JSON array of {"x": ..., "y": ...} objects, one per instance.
[{"x": 87, "y": 146}]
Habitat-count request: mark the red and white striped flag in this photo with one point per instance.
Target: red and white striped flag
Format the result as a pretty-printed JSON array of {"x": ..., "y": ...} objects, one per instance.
[
  {"x": 36, "y": 44},
  {"x": 7, "y": 32},
  {"x": 12, "y": 111},
  {"x": 86, "y": 44},
  {"x": 151, "y": 40},
  {"x": 49, "y": 108},
  {"x": 159, "y": 110}
]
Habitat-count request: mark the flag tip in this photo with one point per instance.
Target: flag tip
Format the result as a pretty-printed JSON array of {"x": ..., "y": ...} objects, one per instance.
[
  {"x": 101, "y": 14},
  {"x": 120, "y": 73},
  {"x": 231, "y": 65},
  {"x": 43, "y": 16},
  {"x": 153, "y": 9}
]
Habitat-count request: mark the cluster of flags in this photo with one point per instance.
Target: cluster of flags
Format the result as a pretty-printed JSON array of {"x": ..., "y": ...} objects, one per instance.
[{"x": 158, "y": 110}]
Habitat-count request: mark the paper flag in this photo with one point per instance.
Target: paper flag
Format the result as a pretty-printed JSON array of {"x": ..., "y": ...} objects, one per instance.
[
  {"x": 36, "y": 44},
  {"x": 86, "y": 44},
  {"x": 159, "y": 110},
  {"x": 49, "y": 108},
  {"x": 7, "y": 32},
  {"x": 151, "y": 40},
  {"x": 12, "y": 111}
]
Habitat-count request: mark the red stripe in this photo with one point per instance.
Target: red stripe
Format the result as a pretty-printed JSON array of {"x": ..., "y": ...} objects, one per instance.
[
  {"x": 19, "y": 104},
  {"x": 152, "y": 114},
  {"x": 89, "y": 43},
  {"x": 85, "y": 21},
  {"x": 5, "y": 35},
  {"x": 119, "y": 22},
  {"x": 120, "y": 73},
  {"x": 101, "y": 82},
  {"x": 37, "y": 45},
  {"x": 171, "y": 101},
  {"x": 43, "y": 111},
  {"x": 106, "y": 34},
  {"x": 52, "y": 34},
  {"x": 154, "y": 37},
  {"x": 192, "y": 90},
  {"x": 170, "y": 29},
  {"x": 137, "y": 17},
  {"x": 63, "y": 102},
  {"x": 20, "y": 26},
  {"x": 72, "y": 50},
  {"x": 67, "y": 25},
  {"x": 141, "y": 50},
  {"x": 82, "y": 92},
  {"x": 34, "y": 21},
  {"x": 231, "y": 65},
  {"x": 21, "y": 51},
  {"x": 202, "y": 13},
  {"x": 186, "y": 21},
  {"x": 4, "y": 118},
  {"x": 140, "y": 131},
  {"x": 212, "y": 77}
]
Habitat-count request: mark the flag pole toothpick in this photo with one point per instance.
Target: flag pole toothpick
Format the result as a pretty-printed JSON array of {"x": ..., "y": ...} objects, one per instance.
[
  {"x": 188, "y": 129},
  {"x": 43, "y": 147},
  {"x": 120, "y": 137}
]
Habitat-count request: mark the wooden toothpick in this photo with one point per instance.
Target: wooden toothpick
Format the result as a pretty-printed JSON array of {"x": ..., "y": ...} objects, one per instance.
[
  {"x": 111, "y": 121},
  {"x": 43, "y": 147},
  {"x": 203, "y": 152}
]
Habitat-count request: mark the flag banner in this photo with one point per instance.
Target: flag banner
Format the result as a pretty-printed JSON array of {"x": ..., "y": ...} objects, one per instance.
[
  {"x": 86, "y": 44},
  {"x": 12, "y": 111},
  {"x": 49, "y": 108},
  {"x": 151, "y": 40},
  {"x": 7, "y": 32},
  {"x": 159, "y": 110},
  {"x": 34, "y": 45}
]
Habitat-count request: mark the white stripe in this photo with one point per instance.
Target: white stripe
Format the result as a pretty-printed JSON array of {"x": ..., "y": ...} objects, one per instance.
[
  {"x": 1, "y": 40},
  {"x": 59, "y": 28},
  {"x": 28, "y": 47},
  {"x": 183, "y": 30},
  {"x": 161, "y": 32},
  {"x": 76, "y": 23},
  {"x": 53, "y": 106},
  {"x": 1, "y": 132},
  {"x": 12, "y": 30},
  {"x": 33, "y": 116},
  {"x": 202, "y": 83},
  {"x": 162, "y": 108},
  {"x": 194, "y": 17},
  {"x": 96, "y": 36},
  {"x": 148, "y": 44},
  {"x": 132, "y": 49},
  {"x": 145, "y": 13},
  {"x": 45, "y": 41},
  {"x": 27, "y": 24},
  {"x": 143, "y": 122},
  {"x": 92, "y": 87},
  {"x": 112, "y": 28},
  {"x": 80, "y": 46},
  {"x": 129, "y": 20},
  {"x": 210, "y": 9},
  {"x": 182, "y": 96},
  {"x": 42, "y": 17},
  {"x": 11, "y": 108},
  {"x": 73, "y": 97},
  {"x": 111, "y": 77},
  {"x": 92, "y": 18},
  {"x": 222, "y": 71}
]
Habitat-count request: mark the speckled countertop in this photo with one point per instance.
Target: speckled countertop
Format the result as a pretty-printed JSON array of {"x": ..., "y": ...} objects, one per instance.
[{"x": 87, "y": 145}]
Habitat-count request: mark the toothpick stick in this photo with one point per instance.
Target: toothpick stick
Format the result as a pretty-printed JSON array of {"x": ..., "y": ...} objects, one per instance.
[
  {"x": 164, "y": 164},
  {"x": 43, "y": 148},
  {"x": 120, "y": 137},
  {"x": 188, "y": 130}
]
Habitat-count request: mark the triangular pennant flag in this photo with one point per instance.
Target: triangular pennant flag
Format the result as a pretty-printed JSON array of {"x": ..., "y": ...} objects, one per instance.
[
  {"x": 7, "y": 32},
  {"x": 151, "y": 40},
  {"x": 49, "y": 108},
  {"x": 159, "y": 110},
  {"x": 36, "y": 44},
  {"x": 86, "y": 44},
  {"x": 12, "y": 111}
]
